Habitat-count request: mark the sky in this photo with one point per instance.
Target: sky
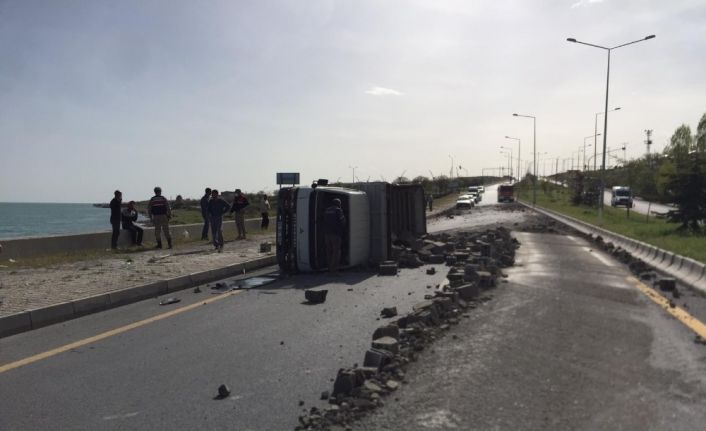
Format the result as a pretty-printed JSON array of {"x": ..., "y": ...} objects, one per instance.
[{"x": 103, "y": 95}]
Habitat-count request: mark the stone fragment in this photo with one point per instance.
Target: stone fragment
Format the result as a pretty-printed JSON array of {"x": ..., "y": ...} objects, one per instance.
[
  {"x": 197, "y": 289},
  {"x": 431, "y": 271},
  {"x": 345, "y": 382},
  {"x": 388, "y": 312},
  {"x": 388, "y": 268},
  {"x": 324, "y": 395},
  {"x": 265, "y": 247},
  {"x": 667, "y": 284},
  {"x": 377, "y": 358},
  {"x": 372, "y": 386},
  {"x": 468, "y": 292},
  {"x": 387, "y": 331},
  {"x": 392, "y": 385},
  {"x": 223, "y": 391},
  {"x": 386, "y": 343},
  {"x": 315, "y": 296}
]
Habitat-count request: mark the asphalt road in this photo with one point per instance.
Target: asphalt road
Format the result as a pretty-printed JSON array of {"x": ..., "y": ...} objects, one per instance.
[
  {"x": 566, "y": 340},
  {"x": 569, "y": 343}
]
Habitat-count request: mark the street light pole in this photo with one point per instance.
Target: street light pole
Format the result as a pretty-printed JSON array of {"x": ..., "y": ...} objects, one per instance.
[
  {"x": 534, "y": 150},
  {"x": 605, "y": 116},
  {"x": 452, "y": 166},
  {"x": 519, "y": 160},
  {"x": 595, "y": 131},
  {"x": 585, "y": 166},
  {"x": 353, "y": 168}
]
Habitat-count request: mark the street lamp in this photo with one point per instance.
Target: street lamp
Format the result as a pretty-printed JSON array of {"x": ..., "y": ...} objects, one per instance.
[
  {"x": 585, "y": 166},
  {"x": 605, "y": 117},
  {"x": 509, "y": 159},
  {"x": 534, "y": 150},
  {"x": 353, "y": 168},
  {"x": 595, "y": 130},
  {"x": 452, "y": 166},
  {"x": 519, "y": 160}
]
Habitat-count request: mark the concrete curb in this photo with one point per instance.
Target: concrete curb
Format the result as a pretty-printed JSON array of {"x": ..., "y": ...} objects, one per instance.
[
  {"x": 45, "y": 316},
  {"x": 687, "y": 271}
]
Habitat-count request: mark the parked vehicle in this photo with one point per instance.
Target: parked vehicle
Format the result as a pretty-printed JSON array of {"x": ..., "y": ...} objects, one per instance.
[
  {"x": 375, "y": 214},
  {"x": 506, "y": 193},
  {"x": 473, "y": 189},
  {"x": 475, "y": 197},
  {"x": 481, "y": 189},
  {"x": 465, "y": 202},
  {"x": 621, "y": 196}
]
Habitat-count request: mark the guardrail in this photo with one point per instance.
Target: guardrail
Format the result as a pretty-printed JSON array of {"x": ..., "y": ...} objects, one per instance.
[{"x": 687, "y": 271}]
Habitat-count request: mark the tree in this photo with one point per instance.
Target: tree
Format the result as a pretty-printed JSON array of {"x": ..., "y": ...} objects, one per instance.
[
  {"x": 680, "y": 144},
  {"x": 688, "y": 188},
  {"x": 701, "y": 135},
  {"x": 178, "y": 202}
]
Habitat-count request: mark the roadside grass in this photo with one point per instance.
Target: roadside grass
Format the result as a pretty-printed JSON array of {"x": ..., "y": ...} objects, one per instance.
[{"x": 651, "y": 230}]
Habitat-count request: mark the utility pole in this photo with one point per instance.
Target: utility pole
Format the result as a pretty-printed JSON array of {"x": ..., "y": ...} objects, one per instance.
[{"x": 648, "y": 142}]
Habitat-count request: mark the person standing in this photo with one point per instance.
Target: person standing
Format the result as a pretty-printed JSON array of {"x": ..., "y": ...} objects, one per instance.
[
  {"x": 334, "y": 226},
  {"x": 160, "y": 213},
  {"x": 264, "y": 211},
  {"x": 204, "y": 213},
  {"x": 240, "y": 202},
  {"x": 129, "y": 216},
  {"x": 115, "y": 205},
  {"x": 430, "y": 201},
  {"x": 217, "y": 207}
]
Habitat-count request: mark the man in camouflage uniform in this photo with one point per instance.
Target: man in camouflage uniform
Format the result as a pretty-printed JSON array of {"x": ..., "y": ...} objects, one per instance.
[{"x": 160, "y": 213}]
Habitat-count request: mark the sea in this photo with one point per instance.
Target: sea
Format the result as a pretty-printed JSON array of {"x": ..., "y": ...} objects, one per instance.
[{"x": 19, "y": 220}]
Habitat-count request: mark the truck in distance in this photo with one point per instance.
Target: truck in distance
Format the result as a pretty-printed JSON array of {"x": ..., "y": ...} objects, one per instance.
[
  {"x": 621, "y": 196},
  {"x": 506, "y": 193}
]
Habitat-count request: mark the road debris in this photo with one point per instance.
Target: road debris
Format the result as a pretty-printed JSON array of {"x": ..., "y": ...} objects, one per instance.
[
  {"x": 168, "y": 301},
  {"x": 315, "y": 296},
  {"x": 475, "y": 261},
  {"x": 223, "y": 392}
]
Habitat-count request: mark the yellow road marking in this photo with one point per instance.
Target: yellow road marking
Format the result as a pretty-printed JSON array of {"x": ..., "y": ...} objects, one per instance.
[
  {"x": 112, "y": 332},
  {"x": 687, "y": 319}
]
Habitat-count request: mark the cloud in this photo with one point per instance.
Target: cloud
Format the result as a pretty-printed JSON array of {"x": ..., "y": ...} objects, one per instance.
[
  {"x": 382, "y": 91},
  {"x": 582, "y": 3}
]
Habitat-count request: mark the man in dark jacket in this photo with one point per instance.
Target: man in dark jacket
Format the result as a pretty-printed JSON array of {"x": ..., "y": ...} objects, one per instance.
[
  {"x": 239, "y": 204},
  {"x": 334, "y": 227},
  {"x": 160, "y": 212},
  {"x": 204, "y": 213},
  {"x": 115, "y": 204},
  {"x": 129, "y": 216},
  {"x": 217, "y": 206}
]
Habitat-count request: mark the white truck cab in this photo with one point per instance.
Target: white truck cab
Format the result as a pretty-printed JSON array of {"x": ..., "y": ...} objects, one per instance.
[{"x": 621, "y": 196}]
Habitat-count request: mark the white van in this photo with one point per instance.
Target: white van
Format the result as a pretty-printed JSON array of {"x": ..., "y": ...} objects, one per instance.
[{"x": 621, "y": 196}]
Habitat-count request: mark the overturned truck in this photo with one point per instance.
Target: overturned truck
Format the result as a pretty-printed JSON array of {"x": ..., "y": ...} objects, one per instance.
[{"x": 376, "y": 214}]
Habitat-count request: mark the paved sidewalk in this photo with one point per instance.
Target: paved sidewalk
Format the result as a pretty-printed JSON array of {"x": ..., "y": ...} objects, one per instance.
[{"x": 23, "y": 289}]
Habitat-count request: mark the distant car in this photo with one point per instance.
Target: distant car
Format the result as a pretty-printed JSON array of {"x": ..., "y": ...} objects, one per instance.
[
  {"x": 475, "y": 196},
  {"x": 621, "y": 196},
  {"x": 473, "y": 189},
  {"x": 465, "y": 202},
  {"x": 481, "y": 189}
]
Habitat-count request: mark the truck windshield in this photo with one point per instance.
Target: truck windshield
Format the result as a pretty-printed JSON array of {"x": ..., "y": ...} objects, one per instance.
[{"x": 622, "y": 193}]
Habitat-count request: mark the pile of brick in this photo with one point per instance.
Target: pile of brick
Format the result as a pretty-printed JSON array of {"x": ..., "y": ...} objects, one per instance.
[{"x": 475, "y": 261}]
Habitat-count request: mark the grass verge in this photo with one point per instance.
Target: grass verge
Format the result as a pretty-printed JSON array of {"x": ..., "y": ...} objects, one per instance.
[{"x": 651, "y": 230}]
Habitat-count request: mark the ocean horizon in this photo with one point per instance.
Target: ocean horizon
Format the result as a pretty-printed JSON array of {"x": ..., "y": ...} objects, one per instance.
[{"x": 37, "y": 219}]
